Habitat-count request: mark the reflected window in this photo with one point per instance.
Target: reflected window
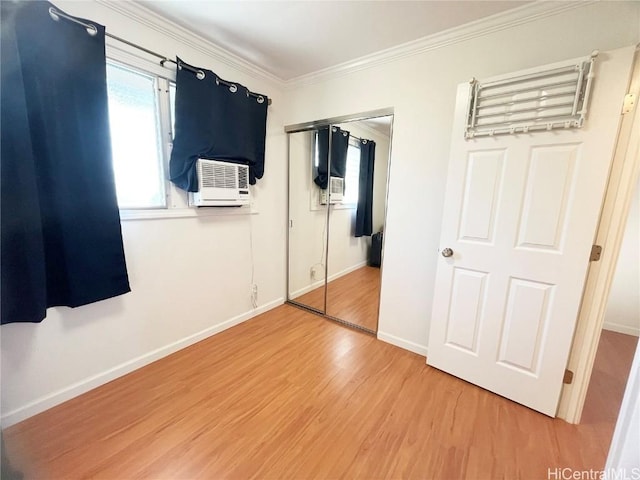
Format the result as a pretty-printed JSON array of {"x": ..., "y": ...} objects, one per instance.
[
  {"x": 352, "y": 171},
  {"x": 352, "y": 174}
]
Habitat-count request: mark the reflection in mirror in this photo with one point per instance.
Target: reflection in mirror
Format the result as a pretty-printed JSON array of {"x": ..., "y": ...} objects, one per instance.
[
  {"x": 356, "y": 224},
  {"x": 307, "y": 225}
]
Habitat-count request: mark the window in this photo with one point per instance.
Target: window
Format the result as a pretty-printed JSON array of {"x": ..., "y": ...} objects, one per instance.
[
  {"x": 141, "y": 118},
  {"x": 134, "y": 119}
]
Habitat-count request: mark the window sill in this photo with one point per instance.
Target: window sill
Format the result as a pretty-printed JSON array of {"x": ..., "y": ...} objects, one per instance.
[
  {"x": 334, "y": 206},
  {"x": 193, "y": 212},
  {"x": 344, "y": 206}
]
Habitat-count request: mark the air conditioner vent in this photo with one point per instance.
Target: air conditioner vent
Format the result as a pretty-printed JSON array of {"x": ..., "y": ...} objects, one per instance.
[
  {"x": 221, "y": 184},
  {"x": 243, "y": 178},
  {"x": 337, "y": 186},
  {"x": 218, "y": 175}
]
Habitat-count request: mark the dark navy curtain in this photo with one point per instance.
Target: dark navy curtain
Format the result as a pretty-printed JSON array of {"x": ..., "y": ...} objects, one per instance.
[
  {"x": 214, "y": 122},
  {"x": 338, "y": 162},
  {"x": 364, "y": 211},
  {"x": 61, "y": 242}
]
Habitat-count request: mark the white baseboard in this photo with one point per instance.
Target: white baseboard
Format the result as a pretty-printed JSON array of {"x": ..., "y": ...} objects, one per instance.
[
  {"x": 83, "y": 386},
  {"x": 348, "y": 270},
  {"x": 319, "y": 283},
  {"x": 402, "y": 343},
  {"x": 617, "y": 327},
  {"x": 306, "y": 289}
]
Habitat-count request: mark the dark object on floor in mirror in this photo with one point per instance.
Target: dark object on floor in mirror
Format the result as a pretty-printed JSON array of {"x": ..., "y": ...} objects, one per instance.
[{"x": 375, "y": 254}]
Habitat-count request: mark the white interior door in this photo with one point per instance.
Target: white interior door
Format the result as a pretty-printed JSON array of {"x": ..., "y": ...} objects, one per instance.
[{"x": 520, "y": 216}]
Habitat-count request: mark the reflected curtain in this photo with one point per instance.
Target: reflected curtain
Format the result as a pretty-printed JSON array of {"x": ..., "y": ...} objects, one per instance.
[
  {"x": 364, "y": 211},
  {"x": 61, "y": 242},
  {"x": 217, "y": 122},
  {"x": 339, "y": 147}
]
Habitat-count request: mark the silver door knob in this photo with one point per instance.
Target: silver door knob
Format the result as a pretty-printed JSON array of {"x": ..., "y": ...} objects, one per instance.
[{"x": 447, "y": 252}]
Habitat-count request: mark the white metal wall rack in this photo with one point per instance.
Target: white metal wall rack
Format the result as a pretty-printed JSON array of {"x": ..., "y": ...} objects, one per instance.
[{"x": 545, "y": 100}]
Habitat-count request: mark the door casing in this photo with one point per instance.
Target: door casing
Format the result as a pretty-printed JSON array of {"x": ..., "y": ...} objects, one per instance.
[{"x": 624, "y": 174}]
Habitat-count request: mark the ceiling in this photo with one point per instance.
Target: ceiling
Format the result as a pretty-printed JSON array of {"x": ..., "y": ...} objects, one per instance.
[
  {"x": 292, "y": 38},
  {"x": 380, "y": 124}
]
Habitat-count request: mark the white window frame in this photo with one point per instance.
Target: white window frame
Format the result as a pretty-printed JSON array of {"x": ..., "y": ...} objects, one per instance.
[{"x": 177, "y": 205}]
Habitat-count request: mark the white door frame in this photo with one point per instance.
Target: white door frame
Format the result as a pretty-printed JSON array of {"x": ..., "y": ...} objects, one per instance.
[{"x": 620, "y": 189}]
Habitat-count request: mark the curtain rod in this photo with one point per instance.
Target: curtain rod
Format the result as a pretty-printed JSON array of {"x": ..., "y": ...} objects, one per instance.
[
  {"x": 359, "y": 139},
  {"x": 92, "y": 30}
]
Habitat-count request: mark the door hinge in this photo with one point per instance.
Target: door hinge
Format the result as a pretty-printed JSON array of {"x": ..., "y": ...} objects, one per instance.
[
  {"x": 568, "y": 377},
  {"x": 596, "y": 252},
  {"x": 629, "y": 103}
]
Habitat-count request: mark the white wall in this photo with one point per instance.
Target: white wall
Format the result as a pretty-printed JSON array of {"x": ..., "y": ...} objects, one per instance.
[
  {"x": 623, "y": 308},
  {"x": 380, "y": 179},
  {"x": 189, "y": 277},
  {"x": 421, "y": 89}
]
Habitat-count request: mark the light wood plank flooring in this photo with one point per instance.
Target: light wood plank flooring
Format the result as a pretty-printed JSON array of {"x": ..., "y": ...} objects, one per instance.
[
  {"x": 290, "y": 395},
  {"x": 608, "y": 381},
  {"x": 353, "y": 298}
]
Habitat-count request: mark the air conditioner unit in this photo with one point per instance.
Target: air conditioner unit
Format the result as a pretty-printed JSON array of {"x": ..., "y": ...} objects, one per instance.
[
  {"x": 221, "y": 184},
  {"x": 336, "y": 187}
]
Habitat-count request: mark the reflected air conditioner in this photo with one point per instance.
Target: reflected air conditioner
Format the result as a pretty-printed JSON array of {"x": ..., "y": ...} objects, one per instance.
[
  {"x": 221, "y": 184},
  {"x": 336, "y": 186}
]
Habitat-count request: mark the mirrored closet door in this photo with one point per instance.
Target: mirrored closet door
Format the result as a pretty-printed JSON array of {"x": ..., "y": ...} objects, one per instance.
[
  {"x": 338, "y": 175},
  {"x": 307, "y": 238}
]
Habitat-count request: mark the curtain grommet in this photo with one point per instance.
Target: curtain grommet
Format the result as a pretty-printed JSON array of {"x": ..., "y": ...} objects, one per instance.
[
  {"x": 233, "y": 88},
  {"x": 260, "y": 99},
  {"x": 54, "y": 15},
  {"x": 200, "y": 75},
  {"x": 90, "y": 28}
]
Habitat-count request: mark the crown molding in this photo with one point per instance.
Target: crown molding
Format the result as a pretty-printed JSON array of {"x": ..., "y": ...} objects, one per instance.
[
  {"x": 152, "y": 20},
  {"x": 495, "y": 23},
  {"x": 375, "y": 132},
  {"x": 478, "y": 28},
  {"x": 368, "y": 129}
]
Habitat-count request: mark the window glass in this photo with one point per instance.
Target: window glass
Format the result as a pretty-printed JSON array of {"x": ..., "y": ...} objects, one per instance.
[
  {"x": 172, "y": 106},
  {"x": 135, "y": 138},
  {"x": 316, "y": 151},
  {"x": 352, "y": 175}
]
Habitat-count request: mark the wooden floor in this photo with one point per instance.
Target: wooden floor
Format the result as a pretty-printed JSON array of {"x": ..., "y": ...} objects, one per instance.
[
  {"x": 608, "y": 381},
  {"x": 290, "y": 395},
  {"x": 353, "y": 298}
]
